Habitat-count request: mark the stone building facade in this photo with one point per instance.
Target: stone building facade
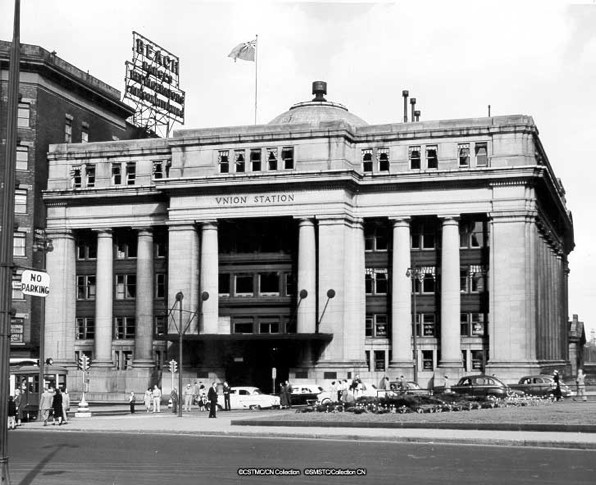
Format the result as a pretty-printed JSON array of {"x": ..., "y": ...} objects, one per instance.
[{"x": 317, "y": 244}]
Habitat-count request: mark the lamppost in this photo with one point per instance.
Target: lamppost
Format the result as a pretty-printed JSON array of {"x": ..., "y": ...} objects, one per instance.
[
  {"x": 415, "y": 274},
  {"x": 330, "y": 295}
]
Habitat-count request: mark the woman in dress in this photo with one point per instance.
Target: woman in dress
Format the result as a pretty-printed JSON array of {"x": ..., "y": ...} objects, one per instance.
[{"x": 57, "y": 407}]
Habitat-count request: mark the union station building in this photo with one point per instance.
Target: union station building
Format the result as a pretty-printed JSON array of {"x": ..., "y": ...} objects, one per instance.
[{"x": 318, "y": 245}]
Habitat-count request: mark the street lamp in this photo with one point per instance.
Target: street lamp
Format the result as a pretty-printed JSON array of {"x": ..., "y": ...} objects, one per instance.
[
  {"x": 415, "y": 274},
  {"x": 330, "y": 295}
]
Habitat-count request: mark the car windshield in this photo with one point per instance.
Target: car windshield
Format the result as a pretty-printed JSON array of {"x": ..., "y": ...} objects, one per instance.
[{"x": 257, "y": 391}]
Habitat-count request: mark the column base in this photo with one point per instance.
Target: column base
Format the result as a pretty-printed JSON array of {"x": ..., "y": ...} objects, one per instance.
[
  {"x": 143, "y": 364},
  {"x": 104, "y": 364}
]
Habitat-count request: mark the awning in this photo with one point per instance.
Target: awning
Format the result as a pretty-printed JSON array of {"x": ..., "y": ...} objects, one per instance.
[{"x": 299, "y": 337}]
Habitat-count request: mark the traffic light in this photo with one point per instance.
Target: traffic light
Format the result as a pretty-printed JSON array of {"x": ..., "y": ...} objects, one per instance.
[
  {"x": 173, "y": 366},
  {"x": 84, "y": 363}
]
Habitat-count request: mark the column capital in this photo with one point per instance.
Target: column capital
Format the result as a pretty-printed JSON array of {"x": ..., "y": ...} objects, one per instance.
[
  {"x": 305, "y": 221},
  {"x": 208, "y": 224},
  {"x": 144, "y": 231},
  {"x": 181, "y": 226},
  {"x": 450, "y": 218},
  {"x": 107, "y": 232},
  {"x": 59, "y": 233},
  {"x": 401, "y": 221}
]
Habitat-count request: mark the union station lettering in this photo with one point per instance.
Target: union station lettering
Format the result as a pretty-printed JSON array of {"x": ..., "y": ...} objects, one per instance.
[{"x": 254, "y": 199}]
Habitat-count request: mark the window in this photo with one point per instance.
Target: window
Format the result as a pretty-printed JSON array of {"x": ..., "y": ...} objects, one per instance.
[
  {"x": 478, "y": 359},
  {"x": 239, "y": 163},
  {"x": 124, "y": 328},
  {"x": 255, "y": 159},
  {"x": 425, "y": 283},
  {"x": 17, "y": 330},
  {"x": 160, "y": 249},
  {"x": 379, "y": 360},
  {"x": 423, "y": 235},
  {"x": 481, "y": 152},
  {"x": 223, "y": 160},
  {"x": 89, "y": 176},
  {"x": 269, "y": 284},
  {"x": 20, "y": 201},
  {"x": 131, "y": 173},
  {"x": 17, "y": 294},
  {"x": 242, "y": 325},
  {"x": 287, "y": 155},
  {"x": 161, "y": 169},
  {"x": 116, "y": 173},
  {"x": 427, "y": 360},
  {"x": 126, "y": 247},
  {"x": 22, "y": 157},
  {"x": 473, "y": 324},
  {"x": 432, "y": 159},
  {"x": 376, "y": 237},
  {"x": 85, "y": 328},
  {"x": 68, "y": 129},
  {"x": 272, "y": 159},
  {"x": 123, "y": 359},
  {"x": 159, "y": 357},
  {"x": 86, "y": 287},
  {"x": 367, "y": 160},
  {"x": 472, "y": 234},
  {"x": 76, "y": 178},
  {"x": 160, "y": 285},
  {"x": 19, "y": 240},
  {"x": 269, "y": 325},
  {"x": 290, "y": 284},
  {"x": 425, "y": 325},
  {"x": 24, "y": 115},
  {"x": 463, "y": 154},
  {"x": 224, "y": 284},
  {"x": 126, "y": 287},
  {"x": 414, "y": 157},
  {"x": 473, "y": 279},
  {"x": 85, "y": 133},
  {"x": 383, "y": 159},
  {"x": 376, "y": 281},
  {"x": 376, "y": 326},
  {"x": 86, "y": 249},
  {"x": 244, "y": 285},
  {"x": 160, "y": 325}
]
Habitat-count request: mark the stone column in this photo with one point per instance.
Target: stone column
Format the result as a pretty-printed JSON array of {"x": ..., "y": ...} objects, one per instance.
[
  {"x": 209, "y": 279},
  {"x": 450, "y": 295},
  {"x": 355, "y": 302},
  {"x": 307, "y": 277},
  {"x": 104, "y": 299},
  {"x": 144, "y": 300},
  {"x": 60, "y": 304},
  {"x": 401, "y": 298}
]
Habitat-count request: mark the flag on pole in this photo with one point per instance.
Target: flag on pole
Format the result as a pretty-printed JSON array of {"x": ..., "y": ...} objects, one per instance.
[{"x": 245, "y": 51}]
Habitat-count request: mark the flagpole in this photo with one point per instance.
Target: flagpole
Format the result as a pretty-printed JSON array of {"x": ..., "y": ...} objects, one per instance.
[{"x": 256, "y": 71}]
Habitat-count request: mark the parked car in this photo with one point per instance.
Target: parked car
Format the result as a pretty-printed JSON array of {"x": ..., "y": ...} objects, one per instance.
[
  {"x": 411, "y": 388},
  {"x": 247, "y": 397},
  {"x": 483, "y": 386},
  {"x": 303, "y": 393},
  {"x": 365, "y": 390},
  {"x": 541, "y": 385}
]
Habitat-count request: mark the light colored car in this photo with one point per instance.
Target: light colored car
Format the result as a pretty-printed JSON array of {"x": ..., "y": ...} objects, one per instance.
[
  {"x": 248, "y": 397},
  {"x": 365, "y": 389}
]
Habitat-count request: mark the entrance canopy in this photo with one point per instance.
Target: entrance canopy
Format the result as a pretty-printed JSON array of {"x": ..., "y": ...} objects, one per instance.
[{"x": 297, "y": 337}]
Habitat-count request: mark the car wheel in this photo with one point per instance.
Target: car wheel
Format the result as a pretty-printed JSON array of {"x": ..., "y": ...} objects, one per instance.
[{"x": 326, "y": 401}]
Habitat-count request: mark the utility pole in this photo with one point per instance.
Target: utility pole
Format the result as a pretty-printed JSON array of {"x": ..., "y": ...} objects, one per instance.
[{"x": 6, "y": 239}]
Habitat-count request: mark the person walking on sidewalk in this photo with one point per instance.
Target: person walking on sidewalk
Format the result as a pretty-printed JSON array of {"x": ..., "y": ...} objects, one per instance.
[
  {"x": 174, "y": 398},
  {"x": 147, "y": 399},
  {"x": 188, "y": 397},
  {"x": 212, "y": 397},
  {"x": 19, "y": 402},
  {"x": 581, "y": 385},
  {"x": 65, "y": 405},
  {"x": 557, "y": 381},
  {"x": 131, "y": 402},
  {"x": 12, "y": 413},
  {"x": 156, "y": 394},
  {"x": 57, "y": 407},
  {"x": 226, "y": 393},
  {"x": 45, "y": 404}
]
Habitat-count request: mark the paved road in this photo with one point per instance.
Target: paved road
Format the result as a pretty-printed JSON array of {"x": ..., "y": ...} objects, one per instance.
[{"x": 72, "y": 457}]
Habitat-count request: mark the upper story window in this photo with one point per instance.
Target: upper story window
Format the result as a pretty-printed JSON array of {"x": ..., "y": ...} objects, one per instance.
[
  {"x": 472, "y": 324},
  {"x": 126, "y": 248},
  {"x": 20, "y": 201},
  {"x": 376, "y": 237},
  {"x": 131, "y": 173},
  {"x": 161, "y": 169},
  {"x": 287, "y": 155},
  {"x": 425, "y": 325},
  {"x": 124, "y": 327},
  {"x": 367, "y": 160},
  {"x": 160, "y": 325},
  {"x": 85, "y": 328},
  {"x": 473, "y": 279},
  {"x": 272, "y": 158},
  {"x": 126, "y": 286},
  {"x": 376, "y": 281},
  {"x": 17, "y": 293},
  {"x": 90, "y": 176},
  {"x": 86, "y": 287},
  {"x": 383, "y": 159},
  {"x": 239, "y": 162},
  {"x": 160, "y": 285},
  {"x": 19, "y": 242},
  {"x": 414, "y": 157},
  {"x": 432, "y": 158},
  {"x": 223, "y": 160},
  {"x": 68, "y": 129},
  {"x": 463, "y": 154},
  {"x": 224, "y": 284},
  {"x": 24, "y": 115},
  {"x": 76, "y": 177},
  {"x": 160, "y": 249},
  {"x": 87, "y": 249},
  {"x": 116, "y": 174},
  {"x": 425, "y": 282},
  {"x": 472, "y": 234},
  {"x": 481, "y": 152},
  {"x": 255, "y": 160},
  {"x": 377, "y": 326},
  {"x": 244, "y": 285},
  {"x": 423, "y": 235},
  {"x": 85, "y": 133},
  {"x": 269, "y": 284},
  {"x": 22, "y": 157}
]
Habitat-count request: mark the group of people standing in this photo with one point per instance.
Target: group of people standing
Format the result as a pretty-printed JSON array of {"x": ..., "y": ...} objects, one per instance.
[
  {"x": 203, "y": 397},
  {"x": 347, "y": 391},
  {"x": 55, "y": 404},
  {"x": 285, "y": 395},
  {"x": 16, "y": 408}
]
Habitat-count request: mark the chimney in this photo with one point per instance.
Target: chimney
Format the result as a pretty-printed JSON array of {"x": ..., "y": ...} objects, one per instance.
[
  {"x": 319, "y": 89},
  {"x": 413, "y": 103},
  {"x": 417, "y": 114},
  {"x": 405, "y": 94}
]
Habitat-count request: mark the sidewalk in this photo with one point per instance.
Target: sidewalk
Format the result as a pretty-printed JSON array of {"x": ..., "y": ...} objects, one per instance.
[{"x": 229, "y": 424}]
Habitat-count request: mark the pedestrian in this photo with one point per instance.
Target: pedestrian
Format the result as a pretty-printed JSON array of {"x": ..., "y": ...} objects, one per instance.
[
  {"x": 289, "y": 390},
  {"x": 195, "y": 392},
  {"x": 12, "y": 413},
  {"x": 57, "y": 407},
  {"x": 283, "y": 396},
  {"x": 344, "y": 391},
  {"x": 354, "y": 386},
  {"x": 446, "y": 385},
  {"x": 147, "y": 398},
  {"x": 174, "y": 398},
  {"x": 384, "y": 384},
  {"x": 581, "y": 384},
  {"x": 45, "y": 404},
  {"x": 156, "y": 396},
  {"x": 188, "y": 397},
  {"x": 202, "y": 397},
  {"x": 131, "y": 402},
  {"x": 19, "y": 401},
  {"x": 212, "y": 397},
  {"x": 401, "y": 384},
  {"x": 226, "y": 394},
  {"x": 557, "y": 381},
  {"x": 334, "y": 391},
  {"x": 65, "y": 405}
]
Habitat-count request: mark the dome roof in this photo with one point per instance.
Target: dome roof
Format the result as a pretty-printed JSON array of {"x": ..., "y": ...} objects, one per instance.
[{"x": 317, "y": 111}]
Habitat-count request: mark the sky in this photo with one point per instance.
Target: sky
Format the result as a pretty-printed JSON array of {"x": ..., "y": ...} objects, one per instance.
[{"x": 532, "y": 57}]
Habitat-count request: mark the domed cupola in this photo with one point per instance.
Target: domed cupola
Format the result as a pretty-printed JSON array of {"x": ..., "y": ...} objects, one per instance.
[{"x": 317, "y": 111}]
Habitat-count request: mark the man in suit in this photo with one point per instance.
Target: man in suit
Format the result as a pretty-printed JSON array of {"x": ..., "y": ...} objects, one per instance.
[{"x": 212, "y": 398}]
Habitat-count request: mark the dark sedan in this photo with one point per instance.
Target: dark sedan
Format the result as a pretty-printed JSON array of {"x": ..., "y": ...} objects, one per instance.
[
  {"x": 541, "y": 385},
  {"x": 305, "y": 393},
  {"x": 483, "y": 386}
]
